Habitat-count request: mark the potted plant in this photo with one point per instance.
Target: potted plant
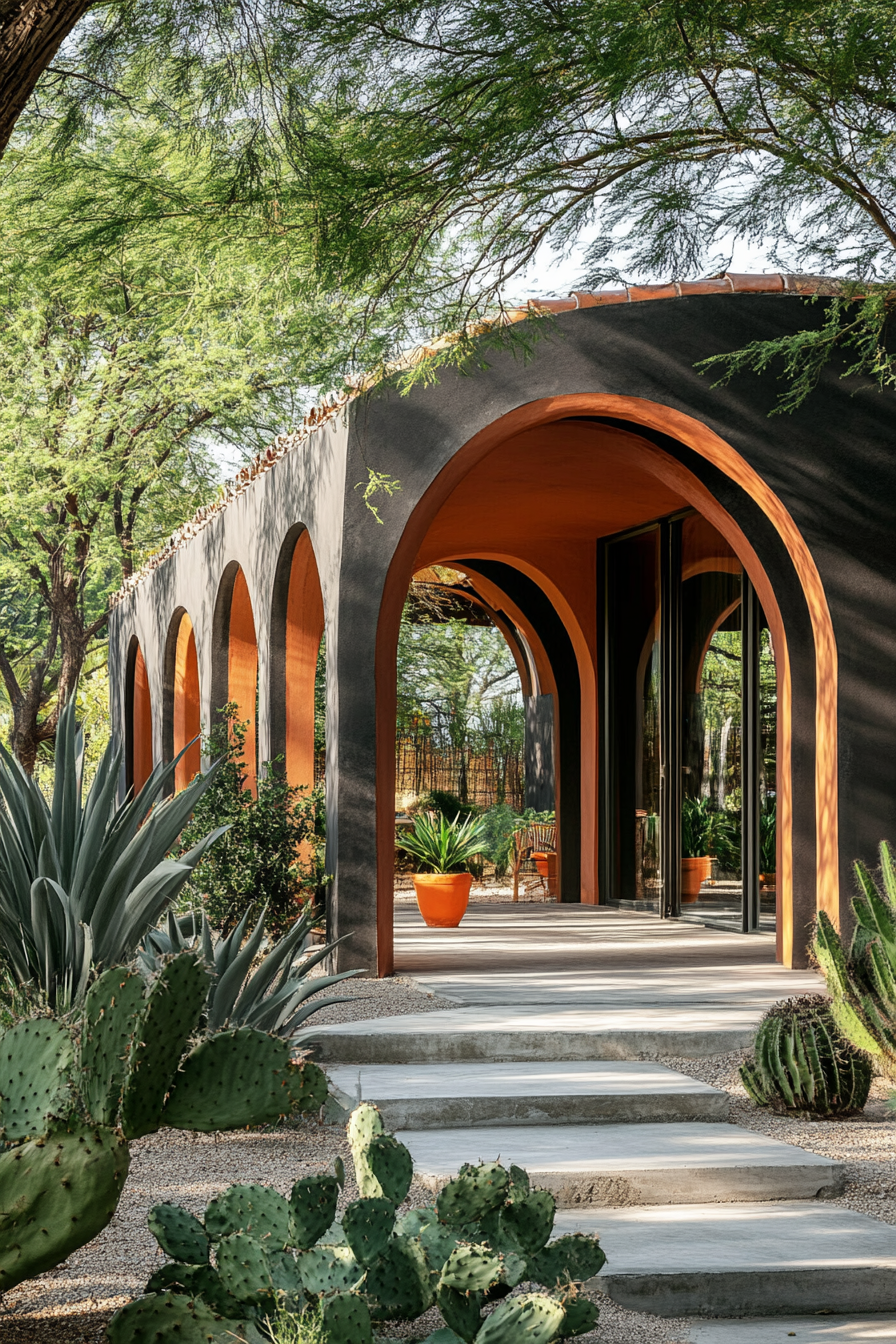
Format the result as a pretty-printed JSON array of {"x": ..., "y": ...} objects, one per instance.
[
  {"x": 697, "y": 822},
  {"x": 443, "y": 850},
  {"x": 768, "y": 848}
]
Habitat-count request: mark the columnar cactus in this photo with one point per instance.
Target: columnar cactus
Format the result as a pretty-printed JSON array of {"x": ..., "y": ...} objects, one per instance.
[
  {"x": 67, "y": 1112},
  {"x": 802, "y": 1063},
  {"x": 862, "y": 980},
  {"x": 487, "y": 1233}
]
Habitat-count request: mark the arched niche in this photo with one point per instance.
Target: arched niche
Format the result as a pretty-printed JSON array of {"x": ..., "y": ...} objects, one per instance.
[
  {"x": 138, "y": 720},
  {"x": 235, "y": 662},
  {"x": 182, "y": 716},
  {"x": 297, "y": 626}
]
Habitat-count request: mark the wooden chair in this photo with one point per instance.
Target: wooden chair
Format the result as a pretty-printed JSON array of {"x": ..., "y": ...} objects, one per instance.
[{"x": 536, "y": 844}]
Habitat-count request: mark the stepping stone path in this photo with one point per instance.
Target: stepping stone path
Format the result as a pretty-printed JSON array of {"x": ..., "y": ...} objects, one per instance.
[{"x": 697, "y": 1217}]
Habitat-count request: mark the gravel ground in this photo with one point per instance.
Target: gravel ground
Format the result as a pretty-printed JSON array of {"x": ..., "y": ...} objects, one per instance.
[{"x": 376, "y": 998}]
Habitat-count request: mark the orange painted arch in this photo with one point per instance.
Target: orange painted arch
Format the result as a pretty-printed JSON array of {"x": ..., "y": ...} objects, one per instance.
[
  {"x": 186, "y": 712},
  {"x": 139, "y": 725},
  {"x": 702, "y": 440},
  {"x": 242, "y": 672},
  {"x": 304, "y": 629}
]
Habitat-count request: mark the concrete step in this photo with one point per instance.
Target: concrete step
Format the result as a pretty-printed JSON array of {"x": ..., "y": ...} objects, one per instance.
[
  {"x": 874, "y": 1328},
  {"x": 744, "y": 1260},
  {"x": 441, "y": 1096},
  {"x": 553, "y": 1035},
  {"x": 634, "y": 1164}
]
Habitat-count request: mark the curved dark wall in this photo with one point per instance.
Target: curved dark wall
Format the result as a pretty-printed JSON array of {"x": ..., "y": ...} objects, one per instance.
[{"x": 831, "y": 463}]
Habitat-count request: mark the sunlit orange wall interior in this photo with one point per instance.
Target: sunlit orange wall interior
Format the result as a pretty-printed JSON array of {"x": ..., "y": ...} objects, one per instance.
[
  {"x": 304, "y": 627},
  {"x": 142, "y": 724},
  {"x": 242, "y": 670},
  {"x": 186, "y": 705}
]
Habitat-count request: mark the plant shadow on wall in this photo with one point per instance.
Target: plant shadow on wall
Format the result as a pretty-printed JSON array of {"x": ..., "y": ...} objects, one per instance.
[{"x": 272, "y": 855}]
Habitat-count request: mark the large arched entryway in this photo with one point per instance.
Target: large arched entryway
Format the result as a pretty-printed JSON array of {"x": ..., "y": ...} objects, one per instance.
[
  {"x": 530, "y": 509},
  {"x": 181, "y": 716},
  {"x": 297, "y": 627},
  {"x": 235, "y": 666},
  {"x": 138, "y": 720}
]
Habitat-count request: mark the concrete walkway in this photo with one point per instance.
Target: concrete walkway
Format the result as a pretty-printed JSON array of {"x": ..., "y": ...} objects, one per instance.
[{"x": 534, "y": 955}]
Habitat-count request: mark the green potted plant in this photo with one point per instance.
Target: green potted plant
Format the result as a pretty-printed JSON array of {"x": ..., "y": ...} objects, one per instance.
[
  {"x": 768, "y": 846},
  {"x": 443, "y": 850},
  {"x": 697, "y": 822}
]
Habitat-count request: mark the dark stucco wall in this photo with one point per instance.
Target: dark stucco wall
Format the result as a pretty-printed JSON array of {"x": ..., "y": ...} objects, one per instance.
[{"x": 831, "y": 463}]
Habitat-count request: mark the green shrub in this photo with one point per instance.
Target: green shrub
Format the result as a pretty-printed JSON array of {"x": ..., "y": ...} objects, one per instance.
[
  {"x": 272, "y": 856},
  {"x": 286, "y": 1262},
  {"x": 443, "y": 846},
  {"x": 446, "y": 803}
]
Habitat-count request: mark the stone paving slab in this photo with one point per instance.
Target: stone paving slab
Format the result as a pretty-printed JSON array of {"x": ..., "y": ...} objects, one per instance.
[
  {"x": 553, "y": 1034},
  {"x": 866, "y": 1329},
  {"x": 743, "y": 1260},
  {"x": 634, "y": 1164},
  {"x": 430, "y": 1096}
]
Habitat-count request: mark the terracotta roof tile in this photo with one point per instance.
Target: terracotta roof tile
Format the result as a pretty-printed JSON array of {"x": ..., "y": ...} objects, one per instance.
[{"x": 727, "y": 283}]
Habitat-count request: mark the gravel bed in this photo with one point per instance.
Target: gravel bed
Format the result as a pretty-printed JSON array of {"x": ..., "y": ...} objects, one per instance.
[
  {"x": 71, "y": 1303},
  {"x": 866, "y": 1143},
  {"x": 366, "y": 997}
]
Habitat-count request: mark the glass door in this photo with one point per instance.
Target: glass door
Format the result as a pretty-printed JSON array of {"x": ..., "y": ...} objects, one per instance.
[{"x": 688, "y": 730}]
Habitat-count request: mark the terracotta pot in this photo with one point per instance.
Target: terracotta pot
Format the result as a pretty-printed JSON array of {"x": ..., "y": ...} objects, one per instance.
[
  {"x": 693, "y": 873},
  {"x": 442, "y": 898},
  {"x": 767, "y": 880}
]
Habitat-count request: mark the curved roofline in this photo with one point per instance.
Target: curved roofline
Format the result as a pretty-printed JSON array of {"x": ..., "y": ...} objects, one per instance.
[{"x": 335, "y": 402}]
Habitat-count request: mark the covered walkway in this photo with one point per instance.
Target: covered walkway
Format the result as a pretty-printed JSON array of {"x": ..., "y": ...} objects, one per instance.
[{"x": 578, "y": 956}]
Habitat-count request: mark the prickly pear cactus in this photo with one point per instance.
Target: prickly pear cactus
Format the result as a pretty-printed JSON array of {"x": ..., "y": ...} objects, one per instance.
[
  {"x": 345, "y": 1319},
  {"x": 255, "y": 1209},
  {"x": 56, "y": 1193},
  {"x": 367, "y": 1225},
  {"x": 803, "y": 1064},
  {"x": 400, "y": 1283},
  {"x": 533, "y": 1318},
  {"x": 162, "y": 1317},
  {"x": 528, "y": 1222},
  {"x": 330, "y": 1269},
  {"x": 35, "y": 1057},
  {"x": 234, "y": 1078},
  {"x": 112, "y": 1007},
  {"x": 471, "y": 1269},
  {"x": 180, "y": 1235},
  {"x": 575, "y": 1257},
  {"x": 474, "y": 1193},
  {"x": 312, "y": 1206},
  {"x": 173, "y": 1005},
  {"x": 245, "y": 1269}
]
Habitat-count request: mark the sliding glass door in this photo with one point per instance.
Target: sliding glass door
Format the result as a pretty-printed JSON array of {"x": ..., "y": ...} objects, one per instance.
[{"x": 687, "y": 729}]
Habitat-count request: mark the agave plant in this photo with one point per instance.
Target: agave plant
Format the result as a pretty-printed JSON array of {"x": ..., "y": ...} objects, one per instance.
[
  {"x": 272, "y": 998},
  {"x": 443, "y": 846},
  {"x": 81, "y": 880}
]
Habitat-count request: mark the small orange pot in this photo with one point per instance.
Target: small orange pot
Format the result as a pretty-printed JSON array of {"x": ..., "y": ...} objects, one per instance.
[
  {"x": 442, "y": 898},
  {"x": 694, "y": 872}
]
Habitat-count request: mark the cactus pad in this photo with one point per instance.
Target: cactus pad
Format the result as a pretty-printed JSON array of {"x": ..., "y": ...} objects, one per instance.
[
  {"x": 437, "y": 1240},
  {"x": 474, "y": 1193},
  {"x": 34, "y": 1059},
  {"x": 56, "y": 1193},
  {"x": 255, "y": 1209},
  {"x": 400, "y": 1283},
  {"x": 367, "y": 1225},
  {"x": 111, "y": 1009},
  {"x": 308, "y": 1086},
  {"x": 169, "y": 1018},
  {"x": 161, "y": 1317},
  {"x": 531, "y": 1319},
  {"x": 529, "y": 1221},
  {"x": 285, "y": 1273},
  {"x": 581, "y": 1316},
  {"x": 244, "y": 1268},
  {"x": 326, "y": 1269},
  {"x": 462, "y": 1311},
  {"x": 232, "y": 1079},
  {"x": 345, "y": 1319},
  {"x": 575, "y": 1258},
  {"x": 312, "y": 1206},
  {"x": 471, "y": 1269},
  {"x": 391, "y": 1166},
  {"x": 196, "y": 1281},
  {"x": 180, "y": 1235}
]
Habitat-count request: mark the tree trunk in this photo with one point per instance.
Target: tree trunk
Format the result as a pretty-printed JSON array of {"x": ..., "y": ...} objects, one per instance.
[{"x": 31, "y": 32}]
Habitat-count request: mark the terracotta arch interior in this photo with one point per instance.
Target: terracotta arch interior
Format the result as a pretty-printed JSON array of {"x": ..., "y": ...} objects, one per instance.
[
  {"x": 140, "y": 725},
  {"x": 540, "y": 500},
  {"x": 186, "y": 708},
  {"x": 304, "y": 629},
  {"x": 242, "y": 670}
]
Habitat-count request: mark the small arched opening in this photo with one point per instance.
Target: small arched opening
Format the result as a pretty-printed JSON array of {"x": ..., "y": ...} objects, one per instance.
[
  {"x": 138, "y": 720},
  {"x": 235, "y": 663},
  {"x": 182, "y": 723},
  {"x": 298, "y": 661}
]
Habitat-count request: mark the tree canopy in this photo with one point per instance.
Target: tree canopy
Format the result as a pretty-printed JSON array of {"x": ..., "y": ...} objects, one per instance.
[{"x": 425, "y": 152}]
